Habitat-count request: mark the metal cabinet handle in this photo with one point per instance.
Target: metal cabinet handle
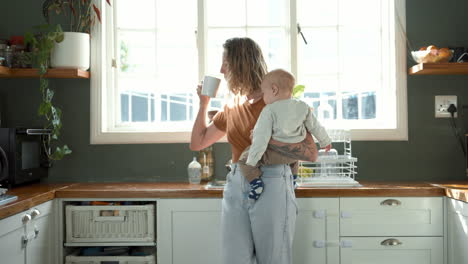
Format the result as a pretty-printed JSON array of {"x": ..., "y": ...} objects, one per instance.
[
  {"x": 391, "y": 242},
  {"x": 26, "y": 218},
  {"x": 36, "y": 232},
  {"x": 390, "y": 202},
  {"x": 24, "y": 241},
  {"x": 35, "y": 213}
]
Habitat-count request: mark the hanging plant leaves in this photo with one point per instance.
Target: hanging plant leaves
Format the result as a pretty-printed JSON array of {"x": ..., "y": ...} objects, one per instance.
[{"x": 98, "y": 12}]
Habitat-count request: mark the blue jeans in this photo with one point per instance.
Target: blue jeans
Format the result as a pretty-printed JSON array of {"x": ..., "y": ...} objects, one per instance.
[{"x": 259, "y": 231}]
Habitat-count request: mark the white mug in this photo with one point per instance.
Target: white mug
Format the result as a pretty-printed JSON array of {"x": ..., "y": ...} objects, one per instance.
[{"x": 210, "y": 86}]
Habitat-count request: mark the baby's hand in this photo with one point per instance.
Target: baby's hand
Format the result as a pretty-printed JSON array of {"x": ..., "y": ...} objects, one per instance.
[{"x": 327, "y": 148}]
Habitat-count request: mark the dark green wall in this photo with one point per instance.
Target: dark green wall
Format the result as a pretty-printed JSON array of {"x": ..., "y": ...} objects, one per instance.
[{"x": 431, "y": 153}]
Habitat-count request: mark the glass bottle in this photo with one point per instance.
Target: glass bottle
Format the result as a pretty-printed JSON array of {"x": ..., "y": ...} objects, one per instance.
[
  {"x": 194, "y": 170},
  {"x": 206, "y": 158},
  {"x": 8, "y": 56}
]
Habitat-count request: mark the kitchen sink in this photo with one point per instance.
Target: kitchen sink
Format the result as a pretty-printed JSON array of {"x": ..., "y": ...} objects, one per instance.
[{"x": 216, "y": 184}]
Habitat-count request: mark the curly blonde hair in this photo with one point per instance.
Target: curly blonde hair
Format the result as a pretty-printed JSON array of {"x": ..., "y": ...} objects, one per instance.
[{"x": 246, "y": 65}]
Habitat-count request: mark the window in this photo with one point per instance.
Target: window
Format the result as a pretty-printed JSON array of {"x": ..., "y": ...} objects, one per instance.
[{"x": 148, "y": 56}]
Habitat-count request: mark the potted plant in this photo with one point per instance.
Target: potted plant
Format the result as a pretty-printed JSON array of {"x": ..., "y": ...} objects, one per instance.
[
  {"x": 74, "y": 50},
  {"x": 42, "y": 42}
]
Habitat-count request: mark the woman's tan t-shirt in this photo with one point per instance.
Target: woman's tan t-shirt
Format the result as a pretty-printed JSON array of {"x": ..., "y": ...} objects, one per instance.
[{"x": 237, "y": 120}]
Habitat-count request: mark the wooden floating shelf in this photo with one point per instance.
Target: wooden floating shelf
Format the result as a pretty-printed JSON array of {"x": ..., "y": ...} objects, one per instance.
[
  {"x": 6, "y": 72},
  {"x": 449, "y": 68}
]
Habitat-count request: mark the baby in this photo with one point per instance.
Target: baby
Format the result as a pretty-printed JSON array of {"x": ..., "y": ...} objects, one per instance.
[{"x": 284, "y": 119}]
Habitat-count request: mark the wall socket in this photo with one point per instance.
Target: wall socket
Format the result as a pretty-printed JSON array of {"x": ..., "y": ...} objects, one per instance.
[{"x": 442, "y": 103}]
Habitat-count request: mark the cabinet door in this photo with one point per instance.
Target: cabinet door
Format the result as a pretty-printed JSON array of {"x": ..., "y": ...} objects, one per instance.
[
  {"x": 40, "y": 230},
  {"x": 189, "y": 231},
  {"x": 12, "y": 249},
  {"x": 40, "y": 246},
  {"x": 406, "y": 250},
  {"x": 316, "y": 240},
  {"x": 457, "y": 231}
]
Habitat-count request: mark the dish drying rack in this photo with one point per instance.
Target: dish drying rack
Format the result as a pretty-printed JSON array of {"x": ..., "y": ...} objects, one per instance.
[{"x": 331, "y": 170}]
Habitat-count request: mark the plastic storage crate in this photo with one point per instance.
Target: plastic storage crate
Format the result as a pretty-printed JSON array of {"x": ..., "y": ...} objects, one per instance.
[
  {"x": 110, "y": 223},
  {"x": 337, "y": 170}
]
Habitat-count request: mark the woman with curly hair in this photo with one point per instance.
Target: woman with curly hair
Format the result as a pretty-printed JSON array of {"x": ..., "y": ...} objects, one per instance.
[{"x": 253, "y": 231}]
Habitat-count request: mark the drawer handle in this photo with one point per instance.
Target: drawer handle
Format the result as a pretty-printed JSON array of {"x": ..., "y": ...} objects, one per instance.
[
  {"x": 35, "y": 213},
  {"x": 108, "y": 216},
  {"x": 391, "y": 242},
  {"x": 109, "y": 219},
  {"x": 26, "y": 218},
  {"x": 390, "y": 202}
]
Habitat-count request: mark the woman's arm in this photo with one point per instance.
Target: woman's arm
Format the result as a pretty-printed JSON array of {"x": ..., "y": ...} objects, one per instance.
[
  {"x": 305, "y": 150},
  {"x": 203, "y": 135}
]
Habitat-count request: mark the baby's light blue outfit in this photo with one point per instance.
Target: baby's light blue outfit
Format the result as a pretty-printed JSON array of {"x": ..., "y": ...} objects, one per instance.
[{"x": 259, "y": 232}]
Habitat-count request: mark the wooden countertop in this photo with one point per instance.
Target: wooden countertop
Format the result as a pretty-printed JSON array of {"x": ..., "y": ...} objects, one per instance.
[
  {"x": 32, "y": 195},
  {"x": 185, "y": 190},
  {"x": 29, "y": 196}
]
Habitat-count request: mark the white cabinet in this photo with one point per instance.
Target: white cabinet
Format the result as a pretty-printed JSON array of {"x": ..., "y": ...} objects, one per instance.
[
  {"x": 328, "y": 231},
  {"x": 457, "y": 231},
  {"x": 400, "y": 230},
  {"x": 316, "y": 240},
  {"x": 28, "y": 237},
  {"x": 189, "y": 231}
]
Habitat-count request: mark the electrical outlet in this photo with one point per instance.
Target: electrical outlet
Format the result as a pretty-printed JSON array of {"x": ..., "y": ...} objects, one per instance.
[{"x": 442, "y": 103}]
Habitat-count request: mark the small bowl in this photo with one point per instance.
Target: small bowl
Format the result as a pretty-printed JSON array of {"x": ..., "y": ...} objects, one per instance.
[{"x": 424, "y": 56}]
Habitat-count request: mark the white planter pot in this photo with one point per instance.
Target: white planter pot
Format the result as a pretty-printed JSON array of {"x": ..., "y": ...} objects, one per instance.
[{"x": 72, "y": 53}]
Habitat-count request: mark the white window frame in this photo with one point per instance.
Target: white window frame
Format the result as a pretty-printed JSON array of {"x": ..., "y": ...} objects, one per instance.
[{"x": 102, "y": 72}]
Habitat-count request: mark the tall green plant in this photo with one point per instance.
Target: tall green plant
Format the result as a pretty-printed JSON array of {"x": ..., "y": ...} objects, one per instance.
[
  {"x": 82, "y": 14},
  {"x": 42, "y": 42}
]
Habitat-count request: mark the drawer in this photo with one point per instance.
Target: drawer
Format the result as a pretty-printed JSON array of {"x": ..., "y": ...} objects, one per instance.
[
  {"x": 391, "y": 216},
  {"x": 110, "y": 259},
  {"x": 391, "y": 250},
  {"x": 110, "y": 223}
]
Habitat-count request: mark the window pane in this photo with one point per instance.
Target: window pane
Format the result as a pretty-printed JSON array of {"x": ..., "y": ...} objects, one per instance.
[
  {"x": 124, "y": 106},
  {"x": 317, "y": 12},
  {"x": 176, "y": 14},
  {"x": 177, "y": 57},
  {"x": 139, "y": 107},
  {"x": 267, "y": 12},
  {"x": 138, "y": 49},
  {"x": 350, "y": 106},
  {"x": 368, "y": 105},
  {"x": 274, "y": 45},
  {"x": 135, "y": 13},
  {"x": 365, "y": 13},
  {"x": 225, "y": 13},
  {"x": 320, "y": 55},
  {"x": 360, "y": 48}
]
